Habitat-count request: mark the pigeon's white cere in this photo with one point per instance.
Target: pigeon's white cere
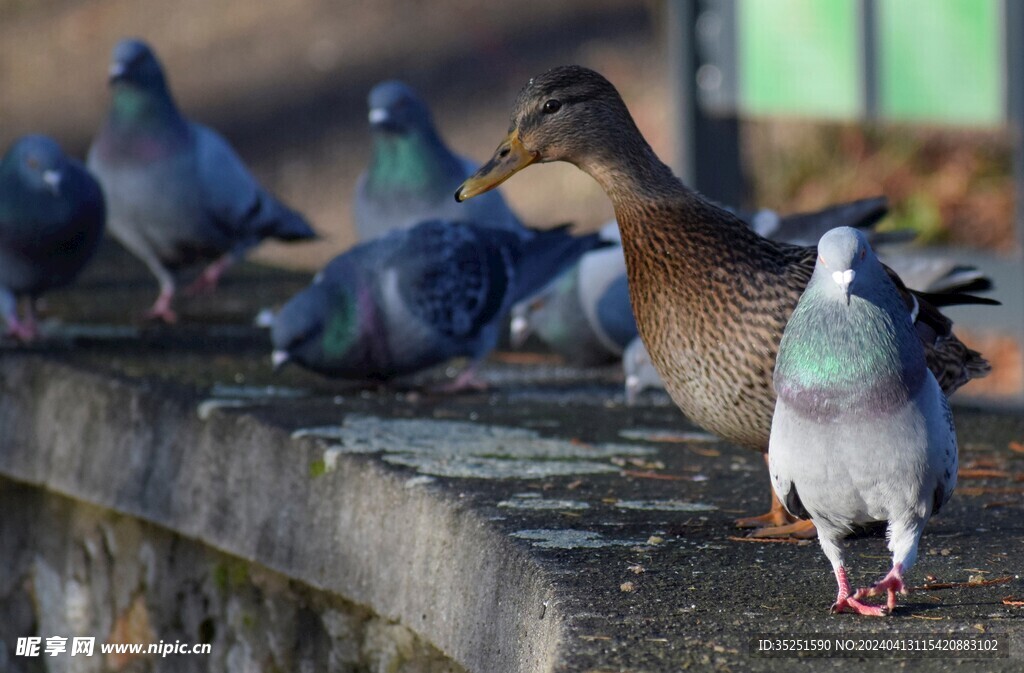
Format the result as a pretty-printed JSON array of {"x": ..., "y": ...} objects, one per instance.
[
  {"x": 378, "y": 115},
  {"x": 843, "y": 278}
]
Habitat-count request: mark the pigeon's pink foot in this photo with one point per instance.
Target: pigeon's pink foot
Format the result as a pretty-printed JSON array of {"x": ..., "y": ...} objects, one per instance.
[
  {"x": 845, "y": 602},
  {"x": 161, "y": 309},
  {"x": 466, "y": 380},
  {"x": 890, "y": 585},
  {"x": 209, "y": 278},
  {"x": 22, "y": 331}
]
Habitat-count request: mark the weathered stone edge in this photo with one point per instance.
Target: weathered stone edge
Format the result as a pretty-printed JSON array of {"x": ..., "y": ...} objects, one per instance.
[{"x": 409, "y": 553}]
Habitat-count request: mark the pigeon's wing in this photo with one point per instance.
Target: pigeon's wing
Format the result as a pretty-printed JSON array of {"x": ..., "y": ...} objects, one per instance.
[
  {"x": 233, "y": 198},
  {"x": 453, "y": 277}
]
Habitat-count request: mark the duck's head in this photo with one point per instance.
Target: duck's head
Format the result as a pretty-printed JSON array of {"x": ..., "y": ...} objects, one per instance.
[{"x": 566, "y": 114}]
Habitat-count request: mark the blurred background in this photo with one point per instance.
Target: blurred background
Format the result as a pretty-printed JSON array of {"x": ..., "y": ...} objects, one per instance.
[{"x": 787, "y": 104}]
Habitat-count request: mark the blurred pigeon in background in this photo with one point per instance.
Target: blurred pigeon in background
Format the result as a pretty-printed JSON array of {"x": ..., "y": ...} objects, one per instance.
[
  {"x": 177, "y": 193},
  {"x": 418, "y": 297},
  {"x": 51, "y": 221},
  {"x": 862, "y": 431},
  {"x": 412, "y": 174}
]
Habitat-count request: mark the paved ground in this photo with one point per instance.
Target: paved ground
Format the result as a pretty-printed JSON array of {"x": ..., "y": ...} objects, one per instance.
[{"x": 626, "y": 511}]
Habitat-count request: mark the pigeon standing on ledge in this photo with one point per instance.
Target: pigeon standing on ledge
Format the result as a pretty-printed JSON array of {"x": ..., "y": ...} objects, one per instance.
[
  {"x": 418, "y": 297},
  {"x": 177, "y": 193},
  {"x": 412, "y": 173},
  {"x": 51, "y": 221},
  {"x": 862, "y": 432}
]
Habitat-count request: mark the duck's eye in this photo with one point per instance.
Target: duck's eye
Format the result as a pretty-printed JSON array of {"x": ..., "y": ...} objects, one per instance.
[{"x": 551, "y": 106}]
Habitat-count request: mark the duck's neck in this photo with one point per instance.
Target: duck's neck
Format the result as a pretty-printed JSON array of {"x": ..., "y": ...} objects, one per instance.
[{"x": 633, "y": 172}]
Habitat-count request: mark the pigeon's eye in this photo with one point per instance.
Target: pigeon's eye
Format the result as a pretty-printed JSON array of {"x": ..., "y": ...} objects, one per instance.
[
  {"x": 551, "y": 106},
  {"x": 32, "y": 163},
  {"x": 863, "y": 254}
]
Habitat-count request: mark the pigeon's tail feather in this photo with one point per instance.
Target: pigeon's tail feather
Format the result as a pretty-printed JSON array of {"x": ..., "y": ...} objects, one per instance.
[
  {"x": 547, "y": 254},
  {"x": 286, "y": 224},
  {"x": 960, "y": 279}
]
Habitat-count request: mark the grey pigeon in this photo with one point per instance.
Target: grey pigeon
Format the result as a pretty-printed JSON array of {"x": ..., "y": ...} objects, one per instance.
[
  {"x": 586, "y": 315},
  {"x": 51, "y": 221},
  {"x": 412, "y": 173},
  {"x": 177, "y": 193},
  {"x": 862, "y": 432},
  {"x": 418, "y": 297}
]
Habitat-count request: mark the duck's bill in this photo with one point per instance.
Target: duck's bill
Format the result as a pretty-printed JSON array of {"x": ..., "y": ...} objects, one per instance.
[{"x": 509, "y": 158}]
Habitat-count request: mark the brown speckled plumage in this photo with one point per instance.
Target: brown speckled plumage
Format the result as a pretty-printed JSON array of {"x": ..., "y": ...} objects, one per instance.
[{"x": 711, "y": 297}]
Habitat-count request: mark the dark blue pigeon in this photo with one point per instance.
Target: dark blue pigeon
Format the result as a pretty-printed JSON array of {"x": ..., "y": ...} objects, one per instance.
[
  {"x": 412, "y": 173},
  {"x": 51, "y": 220},
  {"x": 418, "y": 297},
  {"x": 177, "y": 193}
]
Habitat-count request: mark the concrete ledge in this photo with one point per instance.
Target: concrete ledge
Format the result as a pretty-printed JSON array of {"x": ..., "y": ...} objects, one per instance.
[
  {"x": 410, "y": 553},
  {"x": 543, "y": 526}
]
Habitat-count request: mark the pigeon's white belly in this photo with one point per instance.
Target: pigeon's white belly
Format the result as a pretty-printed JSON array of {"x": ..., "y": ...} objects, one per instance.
[{"x": 857, "y": 469}]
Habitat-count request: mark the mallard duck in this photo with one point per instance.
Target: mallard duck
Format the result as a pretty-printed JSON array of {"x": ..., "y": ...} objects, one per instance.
[{"x": 711, "y": 296}]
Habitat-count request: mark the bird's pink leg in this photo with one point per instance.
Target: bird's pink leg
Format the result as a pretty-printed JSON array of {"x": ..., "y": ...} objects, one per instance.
[
  {"x": 844, "y": 601},
  {"x": 467, "y": 379},
  {"x": 889, "y": 584},
  {"x": 161, "y": 309},
  {"x": 208, "y": 279},
  {"x": 23, "y": 330}
]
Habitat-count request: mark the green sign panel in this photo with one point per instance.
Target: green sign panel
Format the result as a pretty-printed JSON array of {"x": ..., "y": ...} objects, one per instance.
[
  {"x": 941, "y": 60},
  {"x": 799, "y": 57},
  {"x": 937, "y": 60}
]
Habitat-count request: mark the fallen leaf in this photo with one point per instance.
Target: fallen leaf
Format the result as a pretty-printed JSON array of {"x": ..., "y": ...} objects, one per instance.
[
  {"x": 643, "y": 474},
  {"x": 769, "y": 540},
  {"x": 931, "y": 619},
  {"x": 960, "y": 585},
  {"x": 1016, "y": 447},
  {"x": 982, "y": 473},
  {"x": 1015, "y": 602}
]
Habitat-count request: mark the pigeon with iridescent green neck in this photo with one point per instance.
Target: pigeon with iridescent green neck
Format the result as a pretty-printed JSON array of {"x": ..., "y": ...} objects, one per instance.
[
  {"x": 177, "y": 193},
  {"x": 417, "y": 297},
  {"x": 51, "y": 221},
  {"x": 412, "y": 173},
  {"x": 862, "y": 432}
]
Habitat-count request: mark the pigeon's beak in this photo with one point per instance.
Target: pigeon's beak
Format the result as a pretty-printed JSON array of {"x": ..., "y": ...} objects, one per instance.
[
  {"x": 510, "y": 157},
  {"x": 844, "y": 279},
  {"x": 632, "y": 389},
  {"x": 116, "y": 72},
  {"x": 519, "y": 331},
  {"x": 52, "y": 180},
  {"x": 381, "y": 118},
  {"x": 279, "y": 359}
]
